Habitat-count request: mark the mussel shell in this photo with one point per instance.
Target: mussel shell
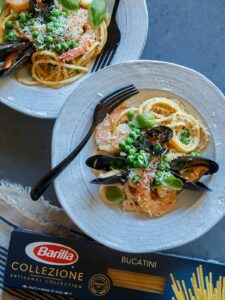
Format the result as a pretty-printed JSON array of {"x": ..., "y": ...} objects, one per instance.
[
  {"x": 34, "y": 8},
  {"x": 20, "y": 60},
  {"x": 6, "y": 49},
  {"x": 105, "y": 162},
  {"x": 193, "y": 186},
  {"x": 159, "y": 134},
  {"x": 186, "y": 162},
  {"x": 117, "y": 178}
]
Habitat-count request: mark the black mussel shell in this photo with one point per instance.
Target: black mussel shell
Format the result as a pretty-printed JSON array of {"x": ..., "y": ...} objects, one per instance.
[
  {"x": 6, "y": 49},
  {"x": 193, "y": 186},
  {"x": 20, "y": 60},
  {"x": 117, "y": 178},
  {"x": 34, "y": 8},
  {"x": 186, "y": 162},
  {"x": 105, "y": 162},
  {"x": 159, "y": 134}
]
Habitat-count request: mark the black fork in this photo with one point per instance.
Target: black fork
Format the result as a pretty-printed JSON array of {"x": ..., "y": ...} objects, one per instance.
[
  {"x": 109, "y": 50},
  {"x": 105, "y": 106}
]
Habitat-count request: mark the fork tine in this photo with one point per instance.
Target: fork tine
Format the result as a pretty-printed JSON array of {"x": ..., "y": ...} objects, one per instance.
[
  {"x": 110, "y": 58},
  {"x": 121, "y": 100},
  {"x": 119, "y": 95},
  {"x": 97, "y": 61},
  {"x": 116, "y": 94},
  {"x": 104, "y": 59}
]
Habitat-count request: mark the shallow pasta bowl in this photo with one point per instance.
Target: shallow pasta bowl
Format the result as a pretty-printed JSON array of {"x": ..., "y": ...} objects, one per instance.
[
  {"x": 195, "y": 213},
  {"x": 43, "y": 102}
]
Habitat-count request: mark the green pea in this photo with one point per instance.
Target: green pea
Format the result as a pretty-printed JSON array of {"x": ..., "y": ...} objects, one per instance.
[
  {"x": 130, "y": 159},
  {"x": 132, "y": 134},
  {"x": 185, "y": 133},
  {"x": 157, "y": 148},
  {"x": 132, "y": 151},
  {"x": 185, "y": 140},
  {"x": 127, "y": 148},
  {"x": 64, "y": 14},
  {"x": 129, "y": 141},
  {"x": 136, "y": 178},
  {"x": 130, "y": 114},
  {"x": 137, "y": 130},
  {"x": 27, "y": 14},
  {"x": 35, "y": 34},
  {"x": 196, "y": 153},
  {"x": 17, "y": 16},
  {"x": 72, "y": 43},
  {"x": 56, "y": 12},
  {"x": 23, "y": 19},
  {"x": 58, "y": 48},
  {"x": 49, "y": 27},
  {"x": 49, "y": 39},
  {"x": 53, "y": 19},
  {"x": 10, "y": 36},
  {"x": 56, "y": 24},
  {"x": 131, "y": 124},
  {"x": 140, "y": 157},
  {"x": 31, "y": 22},
  {"x": 22, "y": 25},
  {"x": 9, "y": 24},
  {"x": 122, "y": 145},
  {"x": 163, "y": 166},
  {"x": 135, "y": 164},
  {"x": 64, "y": 46}
]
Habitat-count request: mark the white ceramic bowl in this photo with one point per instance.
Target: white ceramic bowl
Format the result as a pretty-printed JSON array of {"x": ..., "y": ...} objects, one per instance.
[
  {"x": 195, "y": 212},
  {"x": 44, "y": 102}
]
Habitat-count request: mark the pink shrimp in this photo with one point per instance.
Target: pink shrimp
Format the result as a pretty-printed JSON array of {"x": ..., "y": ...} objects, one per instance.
[
  {"x": 158, "y": 203},
  {"x": 105, "y": 138},
  {"x": 88, "y": 35}
]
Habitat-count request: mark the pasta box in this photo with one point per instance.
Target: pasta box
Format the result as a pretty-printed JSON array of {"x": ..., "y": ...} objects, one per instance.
[{"x": 82, "y": 268}]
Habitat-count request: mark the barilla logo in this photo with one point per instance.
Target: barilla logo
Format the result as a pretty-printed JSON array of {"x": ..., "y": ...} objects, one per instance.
[{"x": 51, "y": 253}]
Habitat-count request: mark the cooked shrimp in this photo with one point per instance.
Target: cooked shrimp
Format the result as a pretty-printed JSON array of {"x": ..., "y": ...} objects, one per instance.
[
  {"x": 80, "y": 28},
  {"x": 107, "y": 139},
  {"x": 156, "y": 204},
  {"x": 19, "y": 5}
]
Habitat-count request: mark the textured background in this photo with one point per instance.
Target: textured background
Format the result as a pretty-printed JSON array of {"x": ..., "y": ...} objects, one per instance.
[{"x": 190, "y": 33}]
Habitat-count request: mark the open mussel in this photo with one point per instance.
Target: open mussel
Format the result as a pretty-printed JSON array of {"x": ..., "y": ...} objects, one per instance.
[
  {"x": 190, "y": 169},
  {"x": 155, "y": 138},
  {"x": 105, "y": 162},
  {"x": 6, "y": 49},
  {"x": 14, "y": 60},
  {"x": 113, "y": 165},
  {"x": 112, "y": 177}
]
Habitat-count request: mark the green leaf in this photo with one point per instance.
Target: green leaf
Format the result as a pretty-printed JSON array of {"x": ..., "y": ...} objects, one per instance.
[
  {"x": 1, "y": 6},
  {"x": 114, "y": 194},
  {"x": 144, "y": 120},
  {"x": 70, "y": 4},
  {"x": 171, "y": 182},
  {"x": 97, "y": 12}
]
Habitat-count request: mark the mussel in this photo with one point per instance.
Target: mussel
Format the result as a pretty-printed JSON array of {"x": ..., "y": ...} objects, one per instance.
[
  {"x": 105, "y": 162},
  {"x": 190, "y": 169},
  {"x": 13, "y": 56},
  {"x": 155, "y": 138},
  {"x": 117, "y": 177}
]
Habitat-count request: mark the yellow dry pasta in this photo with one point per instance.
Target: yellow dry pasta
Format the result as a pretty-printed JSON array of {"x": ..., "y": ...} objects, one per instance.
[{"x": 202, "y": 287}]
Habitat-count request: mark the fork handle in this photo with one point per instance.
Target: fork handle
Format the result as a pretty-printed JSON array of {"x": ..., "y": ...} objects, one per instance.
[
  {"x": 38, "y": 190},
  {"x": 115, "y": 8}
]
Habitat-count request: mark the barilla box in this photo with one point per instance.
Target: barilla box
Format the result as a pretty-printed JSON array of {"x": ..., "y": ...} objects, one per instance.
[{"x": 84, "y": 269}]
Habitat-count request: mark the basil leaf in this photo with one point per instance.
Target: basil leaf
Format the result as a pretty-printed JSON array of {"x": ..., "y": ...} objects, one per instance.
[
  {"x": 70, "y": 4},
  {"x": 171, "y": 182},
  {"x": 97, "y": 12},
  {"x": 114, "y": 194},
  {"x": 1, "y": 6},
  {"x": 144, "y": 120}
]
